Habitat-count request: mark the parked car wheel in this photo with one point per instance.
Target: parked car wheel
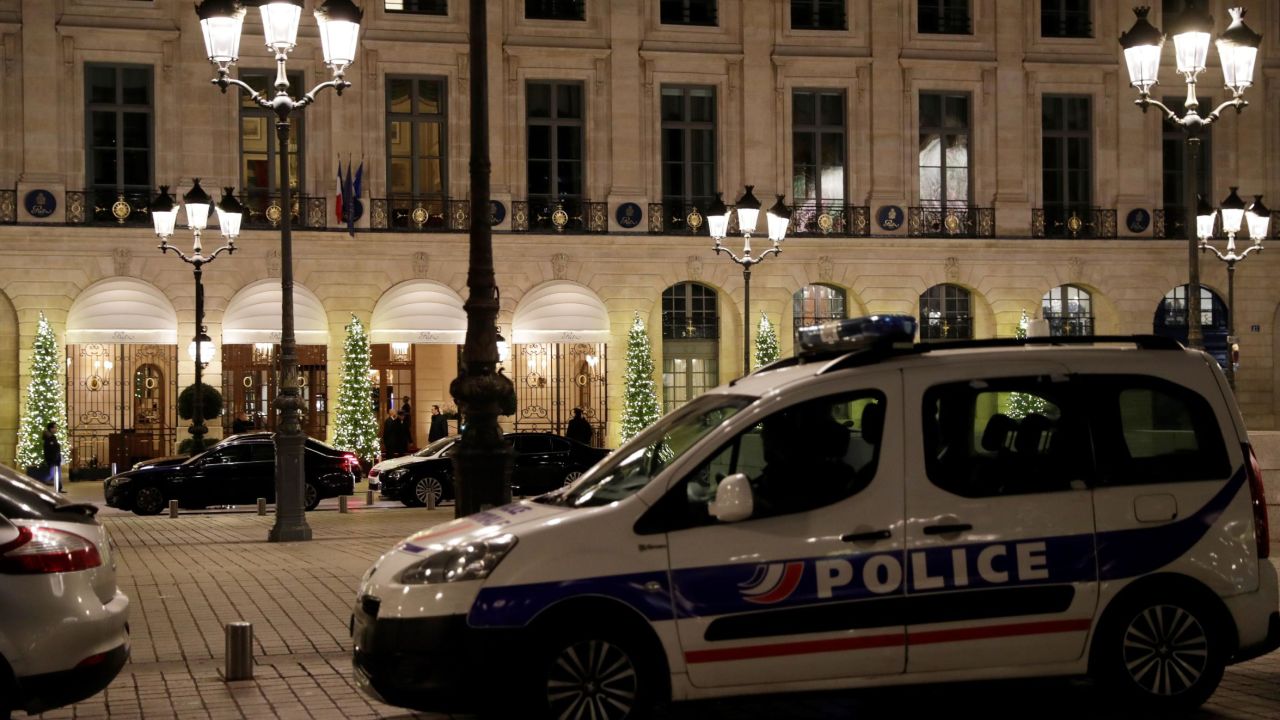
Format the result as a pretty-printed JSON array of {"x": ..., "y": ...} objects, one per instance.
[
  {"x": 148, "y": 501},
  {"x": 310, "y": 496},
  {"x": 572, "y": 475},
  {"x": 597, "y": 673},
  {"x": 427, "y": 487},
  {"x": 1163, "y": 653}
]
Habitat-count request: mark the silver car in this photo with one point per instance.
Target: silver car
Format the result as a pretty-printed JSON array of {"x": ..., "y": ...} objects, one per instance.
[{"x": 63, "y": 621}]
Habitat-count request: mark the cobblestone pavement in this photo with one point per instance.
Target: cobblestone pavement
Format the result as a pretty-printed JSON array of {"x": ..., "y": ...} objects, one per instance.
[{"x": 189, "y": 576}]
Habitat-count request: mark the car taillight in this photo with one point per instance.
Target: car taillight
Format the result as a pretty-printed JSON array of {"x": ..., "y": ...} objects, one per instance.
[
  {"x": 1261, "y": 527},
  {"x": 42, "y": 550},
  {"x": 373, "y": 472}
]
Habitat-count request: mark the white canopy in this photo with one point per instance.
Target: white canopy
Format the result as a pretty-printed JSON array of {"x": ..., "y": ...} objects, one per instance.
[
  {"x": 419, "y": 311},
  {"x": 122, "y": 310},
  {"x": 560, "y": 311},
  {"x": 253, "y": 315}
]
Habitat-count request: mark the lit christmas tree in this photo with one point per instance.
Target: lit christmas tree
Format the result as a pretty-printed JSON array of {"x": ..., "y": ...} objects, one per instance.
[
  {"x": 766, "y": 342},
  {"x": 640, "y": 399},
  {"x": 357, "y": 429},
  {"x": 1024, "y": 404},
  {"x": 45, "y": 402}
]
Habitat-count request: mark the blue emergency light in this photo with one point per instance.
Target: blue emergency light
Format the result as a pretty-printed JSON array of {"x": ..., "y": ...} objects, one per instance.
[{"x": 857, "y": 334}]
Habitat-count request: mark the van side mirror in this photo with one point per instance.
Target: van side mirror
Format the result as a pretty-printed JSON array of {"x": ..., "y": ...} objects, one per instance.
[{"x": 734, "y": 501}]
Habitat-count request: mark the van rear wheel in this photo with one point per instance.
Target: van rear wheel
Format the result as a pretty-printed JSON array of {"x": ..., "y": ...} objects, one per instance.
[{"x": 1162, "y": 654}]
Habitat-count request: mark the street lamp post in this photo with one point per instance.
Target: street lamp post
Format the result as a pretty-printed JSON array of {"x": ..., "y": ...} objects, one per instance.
[
  {"x": 1233, "y": 215},
  {"x": 164, "y": 215},
  {"x": 748, "y": 208},
  {"x": 339, "y": 22},
  {"x": 1238, "y": 50}
]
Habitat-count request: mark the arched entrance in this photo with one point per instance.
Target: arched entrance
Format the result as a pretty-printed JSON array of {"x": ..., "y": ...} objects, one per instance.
[
  {"x": 416, "y": 332},
  {"x": 560, "y": 335},
  {"x": 690, "y": 342},
  {"x": 1171, "y": 320},
  {"x": 251, "y": 356},
  {"x": 122, "y": 375}
]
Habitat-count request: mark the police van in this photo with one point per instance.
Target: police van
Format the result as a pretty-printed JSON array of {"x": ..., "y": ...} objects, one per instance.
[{"x": 869, "y": 512}]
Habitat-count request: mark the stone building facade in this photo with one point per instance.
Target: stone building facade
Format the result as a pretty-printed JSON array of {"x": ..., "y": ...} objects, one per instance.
[{"x": 996, "y": 167}]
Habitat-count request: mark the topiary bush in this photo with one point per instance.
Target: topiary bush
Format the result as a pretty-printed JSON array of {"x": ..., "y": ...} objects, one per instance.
[{"x": 210, "y": 402}]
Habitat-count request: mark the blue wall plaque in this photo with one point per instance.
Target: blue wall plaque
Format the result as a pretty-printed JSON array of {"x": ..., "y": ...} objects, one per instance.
[
  {"x": 1138, "y": 220},
  {"x": 629, "y": 215},
  {"x": 497, "y": 212},
  {"x": 40, "y": 203},
  {"x": 890, "y": 217}
]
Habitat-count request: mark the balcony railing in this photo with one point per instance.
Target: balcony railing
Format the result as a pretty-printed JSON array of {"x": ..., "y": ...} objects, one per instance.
[
  {"x": 1069, "y": 324},
  {"x": 961, "y": 222},
  {"x": 1074, "y": 223},
  {"x": 263, "y": 210},
  {"x": 572, "y": 215},
  {"x": 8, "y": 207},
  {"x": 838, "y": 220},
  {"x": 430, "y": 213},
  {"x": 108, "y": 207}
]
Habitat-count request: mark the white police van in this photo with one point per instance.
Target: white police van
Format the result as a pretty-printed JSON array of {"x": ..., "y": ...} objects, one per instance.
[{"x": 867, "y": 513}]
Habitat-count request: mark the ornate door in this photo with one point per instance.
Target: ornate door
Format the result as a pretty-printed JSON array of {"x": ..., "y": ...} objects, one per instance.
[
  {"x": 553, "y": 378},
  {"x": 251, "y": 382},
  {"x": 121, "y": 403}
]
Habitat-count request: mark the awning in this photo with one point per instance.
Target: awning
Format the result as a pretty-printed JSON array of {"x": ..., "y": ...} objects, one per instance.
[
  {"x": 253, "y": 315},
  {"x": 560, "y": 311},
  {"x": 419, "y": 311},
  {"x": 122, "y": 310}
]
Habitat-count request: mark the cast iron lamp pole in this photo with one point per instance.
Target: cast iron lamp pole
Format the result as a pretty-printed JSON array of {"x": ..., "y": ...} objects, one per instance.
[
  {"x": 339, "y": 21},
  {"x": 1233, "y": 215},
  {"x": 1238, "y": 50},
  {"x": 748, "y": 208},
  {"x": 483, "y": 461},
  {"x": 164, "y": 215}
]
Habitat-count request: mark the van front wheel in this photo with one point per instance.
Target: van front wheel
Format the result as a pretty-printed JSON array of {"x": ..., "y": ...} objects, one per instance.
[
  {"x": 1163, "y": 654},
  {"x": 597, "y": 674}
]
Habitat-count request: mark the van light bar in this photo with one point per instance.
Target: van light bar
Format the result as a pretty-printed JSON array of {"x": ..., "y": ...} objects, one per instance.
[{"x": 857, "y": 333}]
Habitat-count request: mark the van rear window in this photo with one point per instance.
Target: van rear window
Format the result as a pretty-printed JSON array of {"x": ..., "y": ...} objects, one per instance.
[{"x": 1151, "y": 431}]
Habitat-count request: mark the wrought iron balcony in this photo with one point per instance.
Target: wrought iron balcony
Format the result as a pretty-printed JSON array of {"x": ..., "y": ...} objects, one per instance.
[
  {"x": 101, "y": 206},
  {"x": 427, "y": 213},
  {"x": 263, "y": 210},
  {"x": 1066, "y": 324},
  {"x": 838, "y": 220},
  {"x": 561, "y": 215},
  {"x": 961, "y": 222},
  {"x": 1073, "y": 222}
]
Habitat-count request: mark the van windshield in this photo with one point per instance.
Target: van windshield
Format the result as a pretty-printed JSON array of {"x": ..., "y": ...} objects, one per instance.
[{"x": 632, "y": 466}]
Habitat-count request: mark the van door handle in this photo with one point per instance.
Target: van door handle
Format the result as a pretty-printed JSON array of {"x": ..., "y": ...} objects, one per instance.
[
  {"x": 947, "y": 529},
  {"x": 867, "y": 536}
]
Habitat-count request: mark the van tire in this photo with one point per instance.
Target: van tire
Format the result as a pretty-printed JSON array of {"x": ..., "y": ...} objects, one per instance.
[
  {"x": 608, "y": 670},
  {"x": 1161, "y": 652}
]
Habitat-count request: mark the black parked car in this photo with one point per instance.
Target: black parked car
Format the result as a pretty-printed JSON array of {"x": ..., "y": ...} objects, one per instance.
[
  {"x": 544, "y": 462},
  {"x": 236, "y": 471}
]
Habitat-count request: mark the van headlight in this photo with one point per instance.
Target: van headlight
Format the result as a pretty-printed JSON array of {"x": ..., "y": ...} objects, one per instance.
[{"x": 468, "y": 561}]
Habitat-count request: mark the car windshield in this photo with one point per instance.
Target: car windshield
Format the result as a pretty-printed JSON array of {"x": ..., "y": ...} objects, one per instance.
[
  {"x": 436, "y": 447},
  {"x": 632, "y": 466}
]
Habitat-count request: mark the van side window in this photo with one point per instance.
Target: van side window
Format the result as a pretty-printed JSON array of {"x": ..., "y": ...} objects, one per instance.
[
  {"x": 1154, "y": 431},
  {"x": 803, "y": 457},
  {"x": 1005, "y": 436}
]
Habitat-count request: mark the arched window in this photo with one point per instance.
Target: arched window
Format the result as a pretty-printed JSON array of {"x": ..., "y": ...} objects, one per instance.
[
  {"x": 813, "y": 304},
  {"x": 945, "y": 313},
  {"x": 691, "y": 342},
  {"x": 1069, "y": 311},
  {"x": 1171, "y": 319}
]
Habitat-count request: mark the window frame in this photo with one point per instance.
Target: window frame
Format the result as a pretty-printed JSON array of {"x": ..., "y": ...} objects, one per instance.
[
  {"x": 944, "y": 15},
  {"x": 555, "y": 122},
  {"x": 818, "y": 131},
  {"x": 297, "y": 135},
  {"x": 686, "y": 126},
  {"x": 1059, "y": 318},
  {"x": 579, "y": 8},
  {"x": 443, "y": 12},
  {"x": 120, "y": 109},
  {"x": 702, "y": 344},
  {"x": 801, "y": 299},
  {"x": 415, "y": 118},
  {"x": 686, "y": 11},
  {"x": 815, "y": 8},
  {"x": 949, "y": 295},
  {"x": 1063, "y": 203},
  {"x": 1064, "y": 13},
  {"x": 943, "y": 131}
]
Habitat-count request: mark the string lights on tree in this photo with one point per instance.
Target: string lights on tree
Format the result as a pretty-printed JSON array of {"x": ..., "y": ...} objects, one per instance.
[
  {"x": 766, "y": 342},
  {"x": 45, "y": 400},
  {"x": 356, "y": 429},
  {"x": 640, "y": 397}
]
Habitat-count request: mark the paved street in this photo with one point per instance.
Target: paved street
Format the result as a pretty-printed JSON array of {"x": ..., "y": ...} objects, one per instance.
[{"x": 189, "y": 576}]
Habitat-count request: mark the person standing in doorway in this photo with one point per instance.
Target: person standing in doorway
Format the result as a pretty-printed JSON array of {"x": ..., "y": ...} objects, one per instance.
[
  {"x": 52, "y": 456},
  {"x": 394, "y": 442},
  {"x": 578, "y": 428},
  {"x": 406, "y": 417},
  {"x": 242, "y": 423},
  {"x": 439, "y": 425}
]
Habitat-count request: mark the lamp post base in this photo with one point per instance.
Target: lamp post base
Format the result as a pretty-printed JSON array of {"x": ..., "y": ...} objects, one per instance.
[{"x": 289, "y": 533}]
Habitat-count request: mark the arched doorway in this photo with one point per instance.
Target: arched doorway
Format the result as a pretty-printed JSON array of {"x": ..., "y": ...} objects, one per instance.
[
  {"x": 690, "y": 342},
  {"x": 946, "y": 313},
  {"x": 1068, "y": 310},
  {"x": 1171, "y": 320},
  {"x": 814, "y": 304},
  {"x": 122, "y": 375},
  {"x": 560, "y": 335},
  {"x": 251, "y": 356}
]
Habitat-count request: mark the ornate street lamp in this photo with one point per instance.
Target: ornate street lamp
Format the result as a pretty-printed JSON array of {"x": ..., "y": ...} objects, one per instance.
[
  {"x": 1238, "y": 51},
  {"x": 164, "y": 216},
  {"x": 339, "y": 23},
  {"x": 1234, "y": 213},
  {"x": 748, "y": 208}
]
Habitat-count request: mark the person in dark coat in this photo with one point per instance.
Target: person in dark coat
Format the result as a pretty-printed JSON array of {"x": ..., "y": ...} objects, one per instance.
[
  {"x": 406, "y": 417},
  {"x": 578, "y": 428},
  {"x": 52, "y": 456},
  {"x": 242, "y": 423},
  {"x": 394, "y": 440},
  {"x": 439, "y": 425}
]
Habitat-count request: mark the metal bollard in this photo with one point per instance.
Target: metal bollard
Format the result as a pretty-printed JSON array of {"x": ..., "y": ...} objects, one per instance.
[
  {"x": 262, "y": 506},
  {"x": 368, "y": 498},
  {"x": 431, "y": 501},
  {"x": 173, "y": 508},
  {"x": 342, "y": 504},
  {"x": 239, "y": 651}
]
